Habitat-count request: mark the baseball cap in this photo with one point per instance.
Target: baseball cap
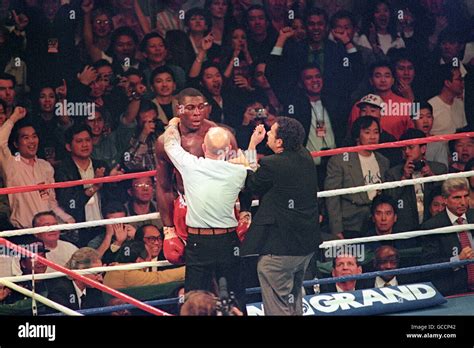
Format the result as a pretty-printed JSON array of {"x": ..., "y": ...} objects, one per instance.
[{"x": 371, "y": 99}]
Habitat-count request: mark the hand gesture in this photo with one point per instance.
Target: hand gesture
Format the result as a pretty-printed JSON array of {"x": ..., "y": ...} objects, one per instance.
[
  {"x": 341, "y": 36},
  {"x": 120, "y": 233},
  {"x": 116, "y": 170},
  {"x": 87, "y": 6},
  {"x": 466, "y": 253},
  {"x": 286, "y": 33},
  {"x": 130, "y": 231},
  {"x": 241, "y": 82},
  {"x": 207, "y": 41},
  {"x": 426, "y": 170},
  {"x": 249, "y": 116},
  {"x": 21, "y": 21},
  {"x": 258, "y": 135},
  {"x": 408, "y": 169},
  {"x": 18, "y": 114},
  {"x": 88, "y": 75},
  {"x": 61, "y": 91}
]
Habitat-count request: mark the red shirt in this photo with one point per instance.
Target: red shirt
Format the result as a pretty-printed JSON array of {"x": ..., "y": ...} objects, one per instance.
[{"x": 396, "y": 117}]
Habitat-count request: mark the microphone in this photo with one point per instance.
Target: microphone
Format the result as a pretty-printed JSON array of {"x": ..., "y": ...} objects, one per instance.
[{"x": 224, "y": 298}]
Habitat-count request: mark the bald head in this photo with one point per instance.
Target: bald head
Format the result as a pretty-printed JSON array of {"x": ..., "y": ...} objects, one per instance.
[{"x": 216, "y": 142}]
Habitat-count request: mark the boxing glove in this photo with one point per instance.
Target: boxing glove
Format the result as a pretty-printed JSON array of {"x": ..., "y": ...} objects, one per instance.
[
  {"x": 179, "y": 217},
  {"x": 173, "y": 246},
  {"x": 245, "y": 219}
]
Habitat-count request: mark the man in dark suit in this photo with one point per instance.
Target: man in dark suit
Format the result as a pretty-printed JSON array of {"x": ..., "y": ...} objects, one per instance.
[
  {"x": 451, "y": 246},
  {"x": 285, "y": 230},
  {"x": 411, "y": 199},
  {"x": 387, "y": 258},
  {"x": 73, "y": 293}
]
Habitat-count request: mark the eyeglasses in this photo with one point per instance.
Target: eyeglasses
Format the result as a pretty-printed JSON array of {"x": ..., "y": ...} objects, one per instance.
[
  {"x": 100, "y": 21},
  {"x": 142, "y": 185},
  {"x": 191, "y": 107},
  {"x": 153, "y": 239}
]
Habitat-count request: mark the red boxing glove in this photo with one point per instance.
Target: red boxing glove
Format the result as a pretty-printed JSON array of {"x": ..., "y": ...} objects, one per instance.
[
  {"x": 245, "y": 219},
  {"x": 173, "y": 246},
  {"x": 179, "y": 217}
]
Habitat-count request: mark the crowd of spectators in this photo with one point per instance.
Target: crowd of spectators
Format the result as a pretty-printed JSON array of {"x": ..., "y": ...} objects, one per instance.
[{"x": 86, "y": 88}]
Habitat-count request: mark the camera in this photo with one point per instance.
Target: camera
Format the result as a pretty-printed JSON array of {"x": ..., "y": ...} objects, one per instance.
[
  {"x": 261, "y": 114},
  {"x": 418, "y": 165}
]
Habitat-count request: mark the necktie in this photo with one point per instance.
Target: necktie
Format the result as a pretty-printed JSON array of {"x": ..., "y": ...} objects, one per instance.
[{"x": 464, "y": 240}]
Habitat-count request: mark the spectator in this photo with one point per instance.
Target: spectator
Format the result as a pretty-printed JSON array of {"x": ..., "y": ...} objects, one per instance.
[
  {"x": 108, "y": 148},
  {"x": 163, "y": 83},
  {"x": 133, "y": 252},
  {"x": 130, "y": 14},
  {"x": 141, "y": 202},
  {"x": 7, "y": 92},
  {"x": 82, "y": 202},
  {"x": 170, "y": 17},
  {"x": 436, "y": 203},
  {"x": 3, "y": 114},
  {"x": 222, "y": 20},
  {"x": 12, "y": 52},
  {"x": 413, "y": 198},
  {"x": 349, "y": 215},
  {"x": 262, "y": 87},
  {"x": 277, "y": 13},
  {"x": 462, "y": 150},
  {"x": 436, "y": 151},
  {"x": 113, "y": 236},
  {"x": 379, "y": 30},
  {"x": 155, "y": 51},
  {"x": 448, "y": 109},
  {"x": 451, "y": 246},
  {"x": 298, "y": 26},
  {"x": 59, "y": 251},
  {"x": 97, "y": 31},
  {"x": 122, "y": 50},
  {"x": 344, "y": 265},
  {"x": 140, "y": 155},
  {"x": 372, "y": 105},
  {"x": 386, "y": 259},
  {"x": 405, "y": 74},
  {"x": 17, "y": 170},
  {"x": 397, "y": 111},
  {"x": 261, "y": 35},
  {"x": 153, "y": 239},
  {"x": 75, "y": 294}
]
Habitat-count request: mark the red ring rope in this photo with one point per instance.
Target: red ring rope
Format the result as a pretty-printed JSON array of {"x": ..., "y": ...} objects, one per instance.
[
  {"x": 331, "y": 152},
  {"x": 93, "y": 283}
]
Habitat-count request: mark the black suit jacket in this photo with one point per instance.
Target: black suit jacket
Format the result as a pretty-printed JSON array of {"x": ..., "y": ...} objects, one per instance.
[
  {"x": 62, "y": 291},
  {"x": 286, "y": 222},
  {"x": 440, "y": 248}
]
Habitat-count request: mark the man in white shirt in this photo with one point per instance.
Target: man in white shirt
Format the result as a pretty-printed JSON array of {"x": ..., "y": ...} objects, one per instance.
[
  {"x": 448, "y": 109},
  {"x": 212, "y": 186}
]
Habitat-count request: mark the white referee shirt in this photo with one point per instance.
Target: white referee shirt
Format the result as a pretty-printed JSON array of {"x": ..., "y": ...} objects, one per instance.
[{"x": 211, "y": 186}]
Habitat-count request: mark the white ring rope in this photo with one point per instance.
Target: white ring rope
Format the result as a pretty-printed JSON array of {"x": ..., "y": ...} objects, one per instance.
[
  {"x": 397, "y": 236},
  {"x": 127, "y": 267},
  {"x": 393, "y": 184},
  {"x": 39, "y": 298},
  {"x": 78, "y": 225}
]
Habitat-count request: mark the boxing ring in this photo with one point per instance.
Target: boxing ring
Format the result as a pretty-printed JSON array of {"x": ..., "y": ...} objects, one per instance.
[{"x": 150, "y": 307}]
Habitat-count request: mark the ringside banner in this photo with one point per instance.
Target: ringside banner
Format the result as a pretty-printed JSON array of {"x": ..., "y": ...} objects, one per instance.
[{"x": 367, "y": 302}]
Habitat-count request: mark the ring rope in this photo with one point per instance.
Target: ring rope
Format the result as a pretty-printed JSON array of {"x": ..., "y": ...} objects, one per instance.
[
  {"x": 397, "y": 236},
  {"x": 330, "y": 152},
  {"x": 84, "y": 279},
  {"x": 39, "y": 298},
  {"x": 52, "y": 275}
]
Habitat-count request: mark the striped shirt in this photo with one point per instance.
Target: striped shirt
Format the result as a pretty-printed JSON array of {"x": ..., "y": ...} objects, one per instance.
[{"x": 169, "y": 20}]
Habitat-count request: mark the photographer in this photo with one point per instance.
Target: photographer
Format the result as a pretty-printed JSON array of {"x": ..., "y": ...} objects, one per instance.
[{"x": 411, "y": 199}]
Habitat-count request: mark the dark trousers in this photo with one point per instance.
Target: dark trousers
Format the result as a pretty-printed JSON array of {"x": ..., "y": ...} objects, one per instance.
[{"x": 210, "y": 257}]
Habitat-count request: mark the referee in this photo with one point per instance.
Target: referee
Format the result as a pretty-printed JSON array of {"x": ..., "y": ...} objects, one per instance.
[{"x": 212, "y": 186}]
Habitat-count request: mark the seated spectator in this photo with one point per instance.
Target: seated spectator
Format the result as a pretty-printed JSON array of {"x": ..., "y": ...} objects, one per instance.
[
  {"x": 344, "y": 265},
  {"x": 82, "y": 202},
  {"x": 141, "y": 201},
  {"x": 113, "y": 236},
  {"x": 412, "y": 199},
  {"x": 386, "y": 259},
  {"x": 437, "y": 151},
  {"x": 384, "y": 216},
  {"x": 153, "y": 239},
  {"x": 349, "y": 215},
  {"x": 108, "y": 148},
  {"x": 155, "y": 51},
  {"x": 73, "y": 293},
  {"x": 140, "y": 155},
  {"x": 58, "y": 251},
  {"x": 448, "y": 109},
  {"x": 25, "y": 168},
  {"x": 372, "y": 105},
  {"x": 397, "y": 110},
  {"x": 132, "y": 252},
  {"x": 451, "y": 246},
  {"x": 436, "y": 203},
  {"x": 462, "y": 151},
  {"x": 163, "y": 84}
]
